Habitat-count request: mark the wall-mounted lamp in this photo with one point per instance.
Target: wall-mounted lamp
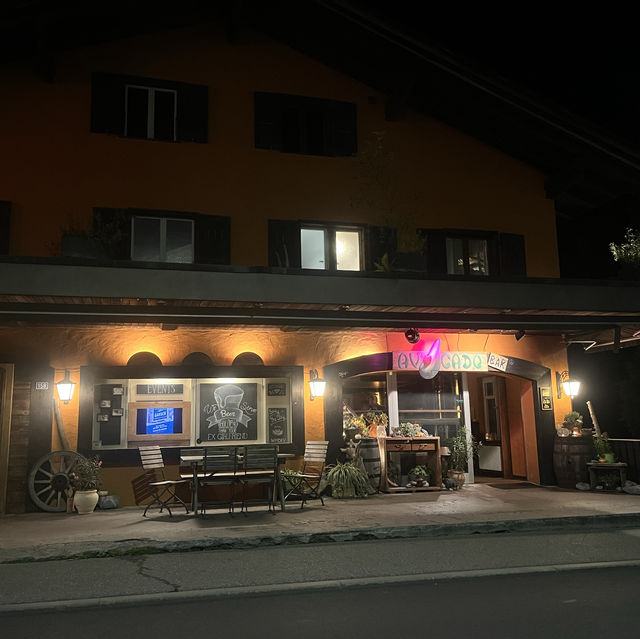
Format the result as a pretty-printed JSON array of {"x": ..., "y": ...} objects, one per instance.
[
  {"x": 519, "y": 335},
  {"x": 65, "y": 388},
  {"x": 412, "y": 335},
  {"x": 570, "y": 387},
  {"x": 316, "y": 385}
]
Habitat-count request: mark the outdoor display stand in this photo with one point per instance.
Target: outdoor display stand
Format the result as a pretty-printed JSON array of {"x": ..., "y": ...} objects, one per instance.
[{"x": 398, "y": 455}]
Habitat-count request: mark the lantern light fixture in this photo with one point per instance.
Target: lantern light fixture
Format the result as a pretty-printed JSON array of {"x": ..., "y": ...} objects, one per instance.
[
  {"x": 570, "y": 387},
  {"x": 316, "y": 384},
  {"x": 65, "y": 388}
]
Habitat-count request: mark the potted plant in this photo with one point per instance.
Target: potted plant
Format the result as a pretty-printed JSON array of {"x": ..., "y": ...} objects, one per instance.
[
  {"x": 602, "y": 447},
  {"x": 419, "y": 476},
  {"x": 460, "y": 449},
  {"x": 573, "y": 422},
  {"x": 347, "y": 480},
  {"x": 85, "y": 479}
]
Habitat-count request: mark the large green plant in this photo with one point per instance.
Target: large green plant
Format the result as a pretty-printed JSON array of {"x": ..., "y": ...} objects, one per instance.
[
  {"x": 347, "y": 480},
  {"x": 629, "y": 250},
  {"x": 460, "y": 449}
]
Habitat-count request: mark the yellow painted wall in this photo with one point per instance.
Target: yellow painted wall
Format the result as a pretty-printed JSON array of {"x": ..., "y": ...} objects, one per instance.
[{"x": 55, "y": 170}]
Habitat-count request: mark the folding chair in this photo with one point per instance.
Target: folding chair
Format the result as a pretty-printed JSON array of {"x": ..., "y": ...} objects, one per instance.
[
  {"x": 160, "y": 489},
  {"x": 259, "y": 466},
  {"x": 219, "y": 468},
  {"x": 306, "y": 484}
]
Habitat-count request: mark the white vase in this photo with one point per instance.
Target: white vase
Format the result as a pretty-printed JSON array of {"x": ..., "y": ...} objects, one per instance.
[{"x": 85, "y": 501}]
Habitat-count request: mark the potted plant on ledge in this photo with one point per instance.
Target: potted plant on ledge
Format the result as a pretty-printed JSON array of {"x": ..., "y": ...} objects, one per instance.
[
  {"x": 460, "y": 448},
  {"x": 603, "y": 450}
]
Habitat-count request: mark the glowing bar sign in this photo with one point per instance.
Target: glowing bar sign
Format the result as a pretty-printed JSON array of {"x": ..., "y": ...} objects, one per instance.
[{"x": 429, "y": 363}]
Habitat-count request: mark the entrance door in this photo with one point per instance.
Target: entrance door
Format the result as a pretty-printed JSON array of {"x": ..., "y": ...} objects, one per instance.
[{"x": 6, "y": 390}]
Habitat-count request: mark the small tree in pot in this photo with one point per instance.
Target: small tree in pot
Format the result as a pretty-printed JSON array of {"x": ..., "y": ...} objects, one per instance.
[{"x": 460, "y": 449}]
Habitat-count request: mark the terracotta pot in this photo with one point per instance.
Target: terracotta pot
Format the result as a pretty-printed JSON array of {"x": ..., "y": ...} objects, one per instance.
[
  {"x": 85, "y": 501},
  {"x": 457, "y": 476}
]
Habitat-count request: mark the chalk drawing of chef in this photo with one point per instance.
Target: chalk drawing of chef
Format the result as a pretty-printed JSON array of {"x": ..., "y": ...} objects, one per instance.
[{"x": 228, "y": 417}]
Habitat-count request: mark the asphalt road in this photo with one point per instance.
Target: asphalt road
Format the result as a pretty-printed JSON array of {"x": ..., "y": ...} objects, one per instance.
[{"x": 581, "y": 604}]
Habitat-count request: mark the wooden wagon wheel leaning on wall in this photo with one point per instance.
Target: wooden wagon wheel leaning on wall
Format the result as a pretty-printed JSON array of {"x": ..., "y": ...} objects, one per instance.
[{"x": 49, "y": 477}]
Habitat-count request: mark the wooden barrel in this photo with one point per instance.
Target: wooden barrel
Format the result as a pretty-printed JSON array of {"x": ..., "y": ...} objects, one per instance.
[
  {"x": 370, "y": 454},
  {"x": 570, "y": 457}
]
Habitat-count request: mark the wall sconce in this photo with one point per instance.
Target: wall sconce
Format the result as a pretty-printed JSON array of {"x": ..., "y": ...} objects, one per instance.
[
  {"x": 519, "y": 335},
  {"x": 65, "y": 388},
  {"x": 570, "y": 387},
  {"x": 412, "y": 335},
  {"x": 316, "y": 385}
]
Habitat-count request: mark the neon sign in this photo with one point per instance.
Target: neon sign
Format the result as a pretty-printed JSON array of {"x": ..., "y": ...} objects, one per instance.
[{"x": 432, "y": 361}]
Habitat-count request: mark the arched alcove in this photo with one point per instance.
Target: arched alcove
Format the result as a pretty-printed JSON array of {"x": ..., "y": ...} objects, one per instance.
[
  {"x": 144, "y": 358},
  {"x": 197, "y": 359},
  {"x": 248, "y": 359}
]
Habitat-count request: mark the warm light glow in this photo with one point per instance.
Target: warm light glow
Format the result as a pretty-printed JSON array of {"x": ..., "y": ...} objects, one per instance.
[
  {"x": 65, "y": 388},
  {"x": 571, "y": 388},
  {"x": 316, "y": 385}
]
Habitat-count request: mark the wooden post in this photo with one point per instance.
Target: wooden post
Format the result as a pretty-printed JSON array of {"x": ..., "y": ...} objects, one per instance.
[{"x": 593, "y": 419}]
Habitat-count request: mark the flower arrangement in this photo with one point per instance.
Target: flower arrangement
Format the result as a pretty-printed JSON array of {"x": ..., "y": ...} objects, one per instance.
[{"x": 85, "y": 474}]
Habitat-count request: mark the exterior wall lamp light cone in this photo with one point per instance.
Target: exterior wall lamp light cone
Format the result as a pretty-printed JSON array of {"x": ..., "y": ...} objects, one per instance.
[
  {"x": 316, "y": 384},
  {"x": 570, "y": 387},
  {"x": 65, "y": 388}
]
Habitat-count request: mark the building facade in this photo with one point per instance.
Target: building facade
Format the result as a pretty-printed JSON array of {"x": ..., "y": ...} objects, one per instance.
[{"x": 192, "y": 225}]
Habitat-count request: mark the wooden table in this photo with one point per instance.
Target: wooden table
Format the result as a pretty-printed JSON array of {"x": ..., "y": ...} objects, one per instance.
[
  {"x": 195, "y": 461},
  {"x": 594, "y": 467}
]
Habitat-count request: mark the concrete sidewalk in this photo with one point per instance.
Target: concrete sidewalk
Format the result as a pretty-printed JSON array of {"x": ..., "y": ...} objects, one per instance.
[{"x": 500, "y": 506}]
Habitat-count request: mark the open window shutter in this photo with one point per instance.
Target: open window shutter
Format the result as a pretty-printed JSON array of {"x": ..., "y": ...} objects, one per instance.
[
  {"x": 268, "y": 121},
  {"x": 342, "y": 128},
  {"x": 379, "y": 240},
  {"x": 512, "y": 255},
  {"x": 5, "y": 227},
  {"x": 436, "y": 251},
  {"x": 284, "y": 243},
  {"x": 192, "y": 113},
  {"x": 212, "y": 239},
  {"x": 107, "y": 103},
  {"x": 112, "y": 227}
]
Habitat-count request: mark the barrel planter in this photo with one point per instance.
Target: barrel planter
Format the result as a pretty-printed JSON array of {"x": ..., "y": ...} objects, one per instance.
[
  {"x": 570, "y": 457},
  {"x": 370, "y": 454}
]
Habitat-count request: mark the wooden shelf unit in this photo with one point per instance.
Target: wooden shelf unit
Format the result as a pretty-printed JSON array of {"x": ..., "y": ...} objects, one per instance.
[{"x": 410, "y": 452}]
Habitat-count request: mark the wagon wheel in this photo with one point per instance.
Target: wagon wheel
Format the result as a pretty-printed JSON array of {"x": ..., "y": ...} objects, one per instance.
[{"x": 49, "y": 480}]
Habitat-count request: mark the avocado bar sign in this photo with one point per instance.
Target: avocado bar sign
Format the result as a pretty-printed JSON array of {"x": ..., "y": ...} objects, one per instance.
[{"x": 429, "y": 363}]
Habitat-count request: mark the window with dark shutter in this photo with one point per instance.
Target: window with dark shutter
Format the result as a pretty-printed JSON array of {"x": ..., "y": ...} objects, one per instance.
[
  {"x": 149, "y": 108},
  {"x": 311, "y": 126}
]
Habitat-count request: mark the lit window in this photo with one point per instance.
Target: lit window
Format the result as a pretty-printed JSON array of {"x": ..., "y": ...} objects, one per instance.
[
  {"x": 150, "y": 113},
  {"x": 328, "y": 248},
  {"x": 467, "y": 256},
  {"x": 157, "y": 239}
]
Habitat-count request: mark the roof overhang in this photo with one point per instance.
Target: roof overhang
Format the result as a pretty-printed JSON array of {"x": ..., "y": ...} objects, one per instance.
[{"x": 54, "y": 293}]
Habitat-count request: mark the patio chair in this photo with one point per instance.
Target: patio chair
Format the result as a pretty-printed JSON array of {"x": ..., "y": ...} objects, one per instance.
[
  {"x": 154, "y": 484},
  {"x": 260, "y": 466},
  {"x": 306, "y": 485},
  {"x": 219, "y": 468}
]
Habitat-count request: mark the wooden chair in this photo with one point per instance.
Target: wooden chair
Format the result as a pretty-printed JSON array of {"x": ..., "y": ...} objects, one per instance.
[
  {"x": 154, "y": 484},
  {"x": 260, "y": 466},
  {"x": 306, "y": 485},
  {"x": 219, "y": 468}
]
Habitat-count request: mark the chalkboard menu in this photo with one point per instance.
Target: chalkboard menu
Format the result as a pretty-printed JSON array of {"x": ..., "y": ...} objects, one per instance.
[
  {"x": 277, "y": 389},
  {"x": 228, "y": 412},
  {"x": 277, "y": 425}
]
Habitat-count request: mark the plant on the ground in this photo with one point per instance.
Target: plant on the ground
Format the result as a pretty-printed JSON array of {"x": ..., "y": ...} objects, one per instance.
[
  {"x": 420, "y": 472},
  {"x": 460, "y": 449},
  {"x": 292, "y": 476},
  {"x": 85, "y": 474},
  {"x": 347, "y": 480}
]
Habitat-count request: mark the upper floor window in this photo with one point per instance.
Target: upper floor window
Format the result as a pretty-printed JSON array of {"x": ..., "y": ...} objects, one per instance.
[
  {"x": 467, "y": 256},
  {"x": 156, "y": 239},
  {"x": 324, "y": 247},
  {"x": 150, "y": 113},
  {"x": 312, "y": 126},
  {"x": 149, "y": 108}
]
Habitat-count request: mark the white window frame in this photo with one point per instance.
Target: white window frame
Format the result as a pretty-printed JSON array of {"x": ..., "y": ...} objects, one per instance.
[
  {"x": 331, "y": 261},
  {"x": 163, "y": 236},
  {"x": 151, "y": 106}
]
